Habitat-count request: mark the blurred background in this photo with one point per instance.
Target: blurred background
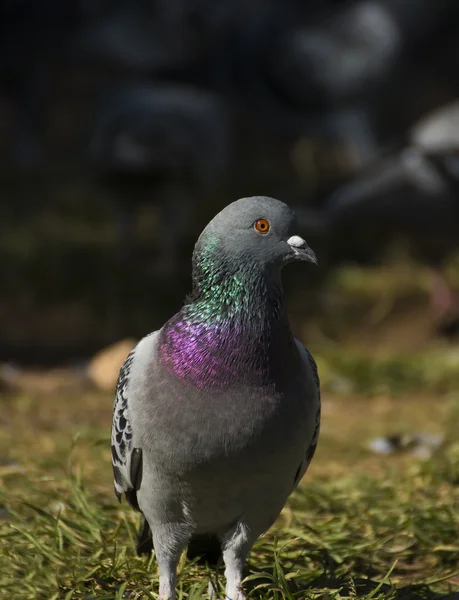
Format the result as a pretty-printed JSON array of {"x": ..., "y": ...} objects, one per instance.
[{"x": 126, "y": 125}]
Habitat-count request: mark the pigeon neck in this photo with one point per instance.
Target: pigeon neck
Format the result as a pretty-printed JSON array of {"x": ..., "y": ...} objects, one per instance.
[
  {"x": 247, "y": 294},
  {"x": 234, "y": 328},
  {"x": 224, "y": 285}
]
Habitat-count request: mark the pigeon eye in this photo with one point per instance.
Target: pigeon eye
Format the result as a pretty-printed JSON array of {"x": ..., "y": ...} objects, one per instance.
[{"x": 262, "y": 225}]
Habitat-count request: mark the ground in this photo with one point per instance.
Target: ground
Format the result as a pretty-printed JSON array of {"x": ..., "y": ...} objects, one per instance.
[{"x": 361, "y": 524}]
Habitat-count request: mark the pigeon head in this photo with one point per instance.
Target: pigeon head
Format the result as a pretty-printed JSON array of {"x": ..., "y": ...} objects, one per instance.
[{"x": 254, "y": 232}]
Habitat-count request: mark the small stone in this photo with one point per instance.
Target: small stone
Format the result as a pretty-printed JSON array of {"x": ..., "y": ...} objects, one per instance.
[
  {"x": 56, "y": 508},
  {"x": 104, "y": 368}
]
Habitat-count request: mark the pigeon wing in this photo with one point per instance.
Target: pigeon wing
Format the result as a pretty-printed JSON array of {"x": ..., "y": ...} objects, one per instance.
[
  {"x": 126, "y": 460},
  {"x": 314, "y": 374}
]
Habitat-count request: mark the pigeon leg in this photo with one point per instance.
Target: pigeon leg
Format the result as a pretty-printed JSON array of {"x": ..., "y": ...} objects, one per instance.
[
  {"x": 169, "y": 540},
  {"x": 235, "y": 546}
]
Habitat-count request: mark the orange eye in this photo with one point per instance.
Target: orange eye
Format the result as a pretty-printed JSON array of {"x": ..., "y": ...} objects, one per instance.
[{"x": 262, "y": 225}]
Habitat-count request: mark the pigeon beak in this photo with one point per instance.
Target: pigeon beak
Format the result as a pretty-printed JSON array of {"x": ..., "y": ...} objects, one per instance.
[{"x": 301, "y": 249}]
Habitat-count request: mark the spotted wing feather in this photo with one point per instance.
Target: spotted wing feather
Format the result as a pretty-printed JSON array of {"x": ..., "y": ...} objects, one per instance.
[{"x": 126, "y": 460}]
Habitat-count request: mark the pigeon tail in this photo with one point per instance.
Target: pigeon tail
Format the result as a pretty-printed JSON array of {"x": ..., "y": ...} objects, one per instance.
[{"x": 206, "y": 548}]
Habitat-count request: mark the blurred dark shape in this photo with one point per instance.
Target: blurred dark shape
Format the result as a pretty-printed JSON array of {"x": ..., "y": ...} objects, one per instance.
[
  {"x": 413, "y": 194},
  {"x": 305, "y": 68},
  {"x": 339, "y": 59},
  {"x": 419, "y": 444},
  {"x": 330, "y": 70},
  {"x": 36, "y": 37},
  {"x": 161, "y": 144},
  {"x": 338, "y": 70},
  {"x": 410, "y": 193},
  {"x": 132, "y": 37},
  {"x": 151, "y": 36}
]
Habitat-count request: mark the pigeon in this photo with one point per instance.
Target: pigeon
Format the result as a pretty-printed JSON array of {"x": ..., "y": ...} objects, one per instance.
[{"x": 217, "y": 414}]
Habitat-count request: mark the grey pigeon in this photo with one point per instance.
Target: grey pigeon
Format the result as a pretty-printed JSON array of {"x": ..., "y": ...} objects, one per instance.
[{"x": 217, "y": 414}]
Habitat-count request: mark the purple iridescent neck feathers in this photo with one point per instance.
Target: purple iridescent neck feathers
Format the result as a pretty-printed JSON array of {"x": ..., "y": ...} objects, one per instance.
[{"x": 234, "y": 328}]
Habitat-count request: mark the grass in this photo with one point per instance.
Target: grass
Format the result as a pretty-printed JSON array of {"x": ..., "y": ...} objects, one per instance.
[
  {"x": 360, "y": 526},
  {"x": 436, "y": 370}
]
